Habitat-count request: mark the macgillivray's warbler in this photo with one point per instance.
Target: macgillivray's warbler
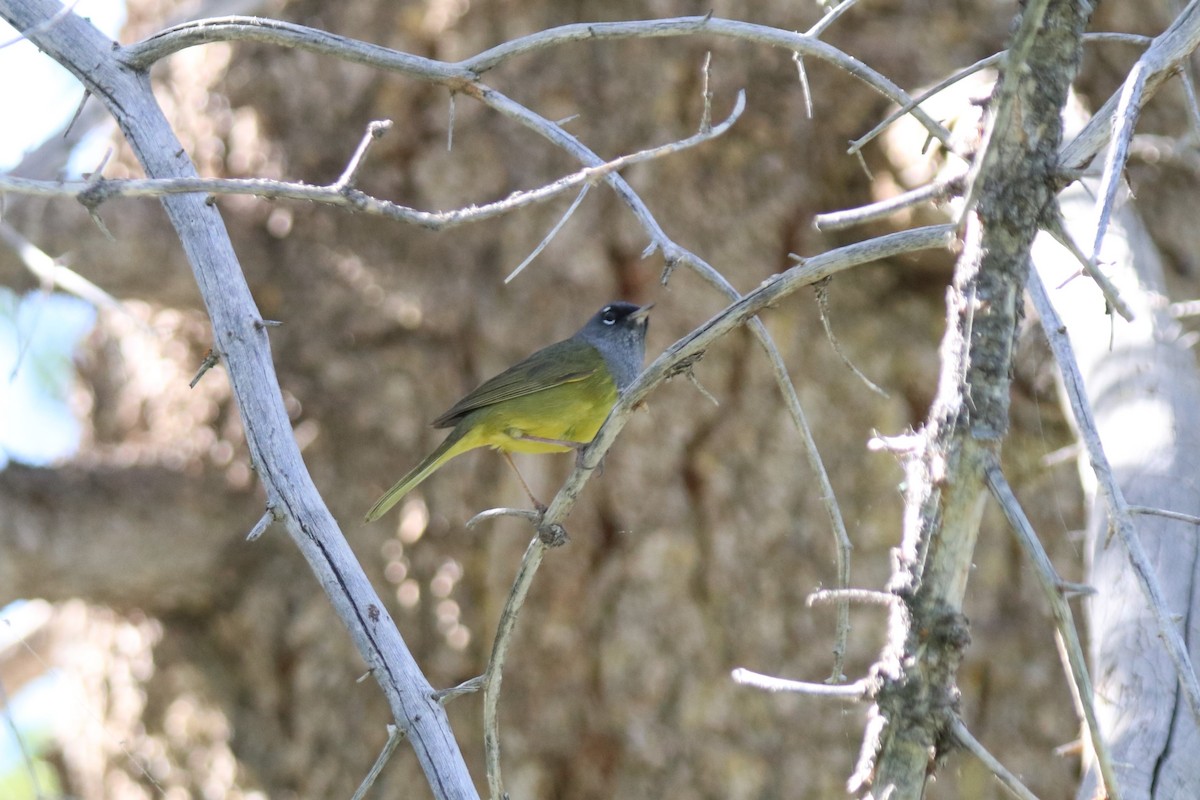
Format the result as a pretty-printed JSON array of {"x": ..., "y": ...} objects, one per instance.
[{"x": 553, "y": 401}]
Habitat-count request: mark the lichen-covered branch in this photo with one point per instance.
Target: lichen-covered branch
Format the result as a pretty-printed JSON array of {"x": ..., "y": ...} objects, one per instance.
[{"x": 1014, "y": 181}]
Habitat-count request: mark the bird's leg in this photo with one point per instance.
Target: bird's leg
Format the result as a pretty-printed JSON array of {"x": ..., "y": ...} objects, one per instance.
[
  {"x": 567, "y": 443},
  {"x": 536, "y": 503}
]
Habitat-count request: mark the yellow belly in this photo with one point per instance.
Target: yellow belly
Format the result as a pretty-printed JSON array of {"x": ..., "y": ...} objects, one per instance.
[{"x": 571, "y": 412}]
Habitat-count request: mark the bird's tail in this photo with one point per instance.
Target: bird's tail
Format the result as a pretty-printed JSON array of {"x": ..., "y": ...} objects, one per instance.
[{"x": 453, "y": 445}]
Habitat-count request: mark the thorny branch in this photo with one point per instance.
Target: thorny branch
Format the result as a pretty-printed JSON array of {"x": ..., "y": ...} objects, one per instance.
[
  {"x": 1064, "y": 620},
  {"x": 1119, "y": 511},
  {"x": 462, "y": 77},
  {"x": 343, "y": 193},
  {"x": 465, "y": 81}
]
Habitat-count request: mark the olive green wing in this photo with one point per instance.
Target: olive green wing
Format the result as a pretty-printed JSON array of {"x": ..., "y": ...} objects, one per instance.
[{"x": 564, "y": 362}]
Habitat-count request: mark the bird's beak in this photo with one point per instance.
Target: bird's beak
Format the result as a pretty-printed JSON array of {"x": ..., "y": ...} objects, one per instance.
[{"x": 641, "y": 313}]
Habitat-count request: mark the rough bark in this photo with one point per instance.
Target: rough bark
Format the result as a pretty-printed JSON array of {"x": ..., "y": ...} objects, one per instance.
[{"x": 1017, "y": 173}]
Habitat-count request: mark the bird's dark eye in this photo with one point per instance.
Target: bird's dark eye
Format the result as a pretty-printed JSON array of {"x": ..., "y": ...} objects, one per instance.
[{"x": 610, "y": 316}]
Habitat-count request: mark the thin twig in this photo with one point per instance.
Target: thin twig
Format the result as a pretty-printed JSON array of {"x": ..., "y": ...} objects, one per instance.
[
  {"x": 52, "y": 274},
  {"x": 1161, "y": 61},
  {"x": 1052, "y": 223},
  {"x": 92, "y": 194},
  {"x": 831, "y": 16},
  {"x": 864, "y": 596},
  {"x": 42, "y": 26},
  {"x": 1118, "y": 510},
  {"x": 464, "y": 75},
  {"x": 395, "y": 736},
  {"x": 936, "y": 192},
  {"x": 1072, "y": 589},
  {"x": 1135, "y": 39},
  {"x": 78, "y": 113},
  {"x": 375, "y": 130},
  {"x": 805, "y": 89},
  {"x": 469, "y": 686},
  {"x": 905, "y": 443},
  {"x": 495, "y": 669},
  {"x": 493, "y": 513},
  {"x": 822, "y": 294},
  {"x": 264, "y": 522},
  {"x": 1162, "y": 512},
  {"x": 706, "y": 93},
  {"x": 690, "y": 374},
  {"x": 1118, "y": 151},
  {"x": 1063, "y": 618},
  {"x": 1193, "y": 104},
  {"x": 859, "y": 690},
  {"x": 26, "y": 336},
  {"x": 1010, "y": 781},
  {"x": 210, "y": 360},
  {"x": 549, "y": 236},
  {"x": 858, "y": 144}
]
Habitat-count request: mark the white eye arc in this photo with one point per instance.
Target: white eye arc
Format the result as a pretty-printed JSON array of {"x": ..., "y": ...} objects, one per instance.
[{"x": 609, "y": 316}]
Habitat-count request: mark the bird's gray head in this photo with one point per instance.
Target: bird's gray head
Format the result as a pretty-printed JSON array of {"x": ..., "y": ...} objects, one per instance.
[{"x": 618, "y": 331}]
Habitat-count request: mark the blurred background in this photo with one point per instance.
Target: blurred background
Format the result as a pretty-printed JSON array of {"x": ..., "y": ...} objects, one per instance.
[{"x": 150, "y": 651}]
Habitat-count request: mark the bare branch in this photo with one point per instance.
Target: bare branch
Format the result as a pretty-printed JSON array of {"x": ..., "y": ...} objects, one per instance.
[
  {"x": 858, "y": 144},
  {"x": 395, "y": 736},
  {"x": 469, "y": 686},
  {"x": 549, "y": 236},
  {"x": 1162, "y": 512},
  {"x": 822, "y": 293},
  {"x": 865, "y": 596},
  {"x": 1114, "y": 498},
  {"x": 1118, "y": 152},
  {"x": 1052, "y": 224},
  {"x": 460, "y": 75},
  {"x": 859, "y": 690},
  {"x": 342, "y": 194},
  {"x": 264, "y": 522},
  {"x": 242, "y": 341},
  {"x": 1011, "y": 782},
  {"x": 493, "y": 513},
  {"x": 1159, "y": 62},
  {"x": 495, "y": 669},
  {"x": 51, "y": 274},
  {"x": 375, "y": 131},
  {"x": 936, "y": 192},
  {"x": 1064, "y": 620},
  {"x": 831, "y": 16}
]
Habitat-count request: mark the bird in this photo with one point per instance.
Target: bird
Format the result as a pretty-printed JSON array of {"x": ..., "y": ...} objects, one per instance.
[{"x": 553, "y": 401}]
